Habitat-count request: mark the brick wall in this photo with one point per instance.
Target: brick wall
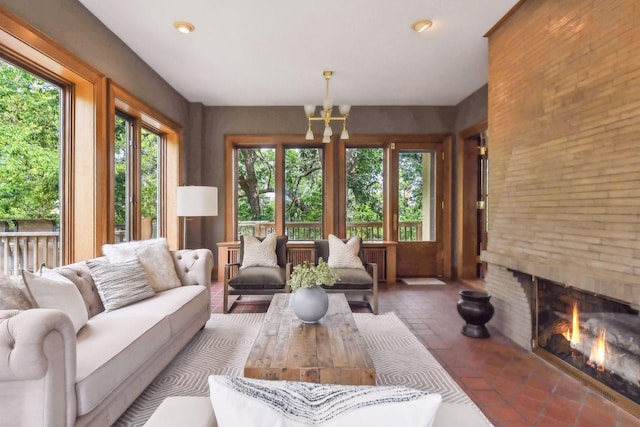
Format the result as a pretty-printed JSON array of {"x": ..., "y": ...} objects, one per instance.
[
  {"x": 513, "y": 300},
  {"x": 564, "y": 144}
]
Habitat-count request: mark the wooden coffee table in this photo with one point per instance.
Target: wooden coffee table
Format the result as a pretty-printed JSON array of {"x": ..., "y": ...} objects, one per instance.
[{"x": 331, "y": 351}]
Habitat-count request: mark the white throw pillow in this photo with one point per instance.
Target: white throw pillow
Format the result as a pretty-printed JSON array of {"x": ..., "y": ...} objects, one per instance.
[
  {"x": 154, "y": 256},
  {"x": 344, "y": 255},
  {"x": 52, "y": 290},
  {"x": 239, "y": 401},
  {"x": 12, "y": 297},
  {"x": 259, "y": 254},
  {"x": 121, "y": 283}
]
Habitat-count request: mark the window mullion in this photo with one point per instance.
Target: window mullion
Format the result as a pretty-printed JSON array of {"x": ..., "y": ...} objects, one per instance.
[{"x": 280, "y": 188}]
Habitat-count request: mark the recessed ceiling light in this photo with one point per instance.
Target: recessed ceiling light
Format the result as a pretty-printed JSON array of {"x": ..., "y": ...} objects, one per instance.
[
  {"x": 184, "y": 27},
  {"x": 421, "y": 25}
]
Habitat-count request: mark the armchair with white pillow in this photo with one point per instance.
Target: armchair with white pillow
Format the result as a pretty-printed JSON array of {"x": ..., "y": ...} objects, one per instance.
[
  {"x": 262, "y": 269},
  {"x": 357, "y": 276}
]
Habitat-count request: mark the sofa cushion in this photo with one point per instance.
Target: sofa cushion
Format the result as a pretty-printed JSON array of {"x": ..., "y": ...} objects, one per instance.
[
  {"x": 154, "y": 256},
  {"x": 52, "y": 290},
  {"x": 80, "y": 275},
  {"x": 352, "y": 279},
  {"x": 120, "y": 284},
  {"x": 179, "y": 305},
  {"x": 241, "y": 401},
  {"x": 113, "y": 346},
  {"x": 259, "y": 278}
]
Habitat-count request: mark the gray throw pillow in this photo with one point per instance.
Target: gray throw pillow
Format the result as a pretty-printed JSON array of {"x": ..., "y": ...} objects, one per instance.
[
  {"x": 154, "y": 256},
  {"x": 11, "y": 297},
  {"x": 121, "y": 283}
]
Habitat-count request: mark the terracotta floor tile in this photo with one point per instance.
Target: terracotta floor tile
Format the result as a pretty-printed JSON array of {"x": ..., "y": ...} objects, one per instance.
[
  {"x": 561, "y": 410},
  {"x": 504, "y": 413},
  {"x": 511, "y": 385}
]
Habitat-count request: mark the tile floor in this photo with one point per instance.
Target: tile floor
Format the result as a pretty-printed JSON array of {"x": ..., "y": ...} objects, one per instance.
[{"x": 513, "y": 387}]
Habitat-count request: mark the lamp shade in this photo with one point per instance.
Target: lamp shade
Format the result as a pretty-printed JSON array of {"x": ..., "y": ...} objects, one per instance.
[{"x": 196, "y": 200}]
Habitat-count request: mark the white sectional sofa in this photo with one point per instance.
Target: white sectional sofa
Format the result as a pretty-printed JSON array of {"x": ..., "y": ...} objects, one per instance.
[{"x": 49, "y": 376}]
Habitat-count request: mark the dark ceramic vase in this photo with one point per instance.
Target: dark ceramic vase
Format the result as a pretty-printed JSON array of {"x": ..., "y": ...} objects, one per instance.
[{"x": 476, "y": 310}]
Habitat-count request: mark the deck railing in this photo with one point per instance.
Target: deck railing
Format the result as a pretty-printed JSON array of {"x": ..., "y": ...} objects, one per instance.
[
  {"x": 28, "y": 250},
  {"x": 409, "y": 231},
  {"x": 31, "y": 249}
]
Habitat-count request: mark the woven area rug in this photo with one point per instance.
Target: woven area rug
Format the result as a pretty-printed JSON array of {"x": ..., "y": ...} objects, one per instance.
[{"x": 223, "y": 345}]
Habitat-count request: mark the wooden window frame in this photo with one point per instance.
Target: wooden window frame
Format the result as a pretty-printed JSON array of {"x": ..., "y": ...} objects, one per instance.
[
  {"x": 279, "y": 142},
  {"x": 169, "y": 168},
  {"x": 82, "y": 203}
]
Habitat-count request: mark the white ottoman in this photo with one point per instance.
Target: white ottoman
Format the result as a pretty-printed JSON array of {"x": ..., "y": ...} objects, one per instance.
[{"x": 179, "y": 411}]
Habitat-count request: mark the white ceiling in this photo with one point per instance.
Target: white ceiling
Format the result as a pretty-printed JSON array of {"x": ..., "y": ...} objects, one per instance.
[{"x": 251, "y": 52}]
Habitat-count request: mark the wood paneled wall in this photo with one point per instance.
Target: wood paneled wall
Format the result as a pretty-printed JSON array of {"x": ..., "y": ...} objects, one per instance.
[{"x": 564, "y": 146}]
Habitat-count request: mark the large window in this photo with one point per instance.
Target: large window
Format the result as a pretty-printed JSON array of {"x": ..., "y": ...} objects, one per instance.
[
  {"x": 145, "y": 170},
  {"x": 303, "y": 193},
  {"x": 364, "y": 195},
  {"x": 126, "y": 178},
  {"x": 256, "y": 191},
  {"x": 30, "y": 118},
  {"x": 279, "y": 186}
]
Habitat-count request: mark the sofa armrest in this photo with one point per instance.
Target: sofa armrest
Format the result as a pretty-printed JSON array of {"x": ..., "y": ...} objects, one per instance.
[
  {"x": 37, "y": 367},
  {"x": 194, "y": 266}
]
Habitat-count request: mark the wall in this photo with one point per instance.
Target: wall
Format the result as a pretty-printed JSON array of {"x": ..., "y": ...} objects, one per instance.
[
  {"x": 72, "y": 26},
  {"x": 220, "y": 121},
  {"x": 564, "y": 120}
]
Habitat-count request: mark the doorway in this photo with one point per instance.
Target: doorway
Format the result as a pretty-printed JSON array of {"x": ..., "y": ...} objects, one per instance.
[
  {"x": 473, "y": 197},
  {"x": 418, "y": 208}
]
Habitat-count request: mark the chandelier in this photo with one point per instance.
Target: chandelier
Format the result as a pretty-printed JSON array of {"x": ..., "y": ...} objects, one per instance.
[{"x": 325, "y": 115}]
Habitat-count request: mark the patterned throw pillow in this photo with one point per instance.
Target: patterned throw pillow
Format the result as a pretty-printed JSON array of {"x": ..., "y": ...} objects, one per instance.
[
  {"x": 121, "y": 283},
  {"x": 11, "y": 297},
  {"x": 259, "y": 254},
  {"x": 344, "y": 255},
  {"x": 52, "y": 290},
  {"x": 154, "y": 256},
  {"x": 239, "y": 401}
]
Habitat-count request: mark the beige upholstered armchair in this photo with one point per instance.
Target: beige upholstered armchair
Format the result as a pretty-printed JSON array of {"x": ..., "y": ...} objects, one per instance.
[
  {"x": 358, "y": 281},
  {"x": 257, "y": 279}
]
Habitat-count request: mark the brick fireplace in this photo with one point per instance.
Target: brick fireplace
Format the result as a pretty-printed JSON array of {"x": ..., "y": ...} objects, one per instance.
[{"x": 564, "y": 156}]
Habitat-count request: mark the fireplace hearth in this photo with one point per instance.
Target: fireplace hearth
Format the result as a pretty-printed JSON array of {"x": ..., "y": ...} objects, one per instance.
[{"x": 592, "y": 337}]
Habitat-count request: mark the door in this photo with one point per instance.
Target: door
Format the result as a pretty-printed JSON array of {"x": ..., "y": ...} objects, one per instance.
[
  {"x": 417, "y": 172},
  {"x": 473, "y": 193}
]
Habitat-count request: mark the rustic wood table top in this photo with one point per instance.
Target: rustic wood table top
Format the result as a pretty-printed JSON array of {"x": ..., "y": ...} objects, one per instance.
[{"x": 331, "y": 351}]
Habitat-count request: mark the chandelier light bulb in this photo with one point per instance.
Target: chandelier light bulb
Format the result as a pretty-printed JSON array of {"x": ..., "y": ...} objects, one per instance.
[
  {"x": 344, "y": 134},
  {"x": 327, "y": 131},
  {"x": 309, "y": 135},
  {"x": 326, "y": 139},
  {"x": 310, "y": 110},
  {"x": 344, "y": 109}
]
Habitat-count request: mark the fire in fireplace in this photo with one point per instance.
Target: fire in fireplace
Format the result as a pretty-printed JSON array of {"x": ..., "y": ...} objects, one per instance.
[{"x": 597, "y": 337}]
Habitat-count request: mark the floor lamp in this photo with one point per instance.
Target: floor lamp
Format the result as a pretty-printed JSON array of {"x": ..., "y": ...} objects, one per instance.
[{"x": 196, "y": 200}]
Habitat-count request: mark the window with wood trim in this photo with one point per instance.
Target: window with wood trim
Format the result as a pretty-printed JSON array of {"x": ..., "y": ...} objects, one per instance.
[
  {"x": 280, "y": 185},
  {"x": 81, "y": 136},
  {"x": 145, "y": 164}
]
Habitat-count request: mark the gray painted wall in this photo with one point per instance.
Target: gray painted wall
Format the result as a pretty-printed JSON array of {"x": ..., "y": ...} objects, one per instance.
[
  {"x": 220, "y": 121},
  {"x": 71, "y": 25}
]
